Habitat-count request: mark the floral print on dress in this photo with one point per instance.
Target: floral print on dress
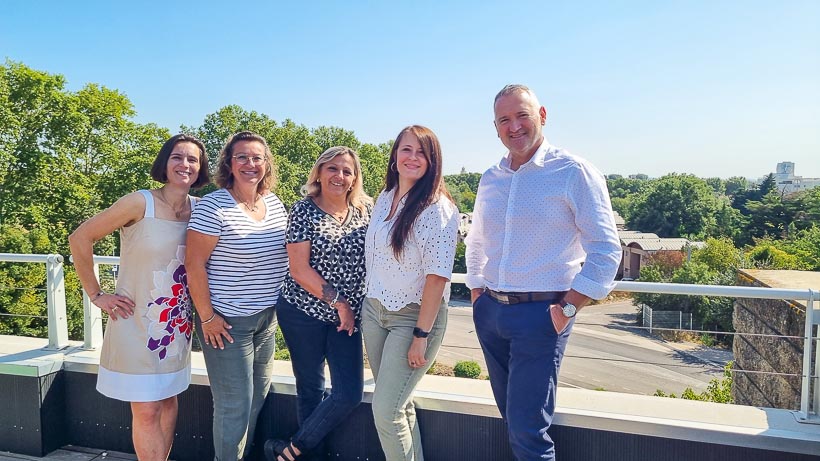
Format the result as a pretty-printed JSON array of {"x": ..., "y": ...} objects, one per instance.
[{"x": 169, "y": 314}]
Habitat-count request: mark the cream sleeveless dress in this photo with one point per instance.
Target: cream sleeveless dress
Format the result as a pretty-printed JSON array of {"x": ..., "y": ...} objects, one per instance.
[{"x": 147, "y": 357}]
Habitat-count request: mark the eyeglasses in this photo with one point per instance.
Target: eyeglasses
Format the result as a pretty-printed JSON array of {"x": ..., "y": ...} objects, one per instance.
[{"x": 243, "y": 159}]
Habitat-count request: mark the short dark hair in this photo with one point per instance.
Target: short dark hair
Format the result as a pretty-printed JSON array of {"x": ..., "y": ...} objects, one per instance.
[{"x": 159, "y": 170}]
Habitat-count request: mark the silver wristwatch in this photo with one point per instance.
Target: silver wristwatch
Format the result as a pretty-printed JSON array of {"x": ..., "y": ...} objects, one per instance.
[{"x": 568, "y": 309}]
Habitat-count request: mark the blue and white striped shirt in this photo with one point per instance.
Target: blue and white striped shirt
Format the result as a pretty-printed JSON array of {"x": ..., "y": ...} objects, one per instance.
[{"x": 248, "y": 264}]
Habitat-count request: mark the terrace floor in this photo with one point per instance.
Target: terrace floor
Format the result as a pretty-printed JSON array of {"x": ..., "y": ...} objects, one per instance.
[{"x": 72, "y": 453}]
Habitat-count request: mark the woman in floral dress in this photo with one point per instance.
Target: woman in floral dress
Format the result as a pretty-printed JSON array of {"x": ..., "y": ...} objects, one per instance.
[{"x": 145, "y": 357}]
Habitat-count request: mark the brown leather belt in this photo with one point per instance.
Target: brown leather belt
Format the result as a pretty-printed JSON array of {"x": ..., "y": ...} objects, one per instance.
[{"x": 507, "y": 297}]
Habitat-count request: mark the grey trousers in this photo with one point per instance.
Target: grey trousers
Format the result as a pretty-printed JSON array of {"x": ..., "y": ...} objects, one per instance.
[
  {"x": 240, "y": 379},
  {"x": 387, "y": 337}
]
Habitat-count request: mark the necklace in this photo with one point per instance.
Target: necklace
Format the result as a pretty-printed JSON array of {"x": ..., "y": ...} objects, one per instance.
[
  {"x": 333, "y": 214},
  {"x": 252, "y": 207},
  {"x": 178, "y": 212},
  {"x": 340, "y": 218}
]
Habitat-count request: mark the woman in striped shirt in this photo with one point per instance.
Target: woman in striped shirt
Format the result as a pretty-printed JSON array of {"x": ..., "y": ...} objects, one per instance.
[{"x": 236, "y": 261}]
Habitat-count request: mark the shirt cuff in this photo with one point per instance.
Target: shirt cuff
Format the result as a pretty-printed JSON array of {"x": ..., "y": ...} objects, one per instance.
[
  {"x": 475, "y": 281},
  {"x": 591, "y": 288}
]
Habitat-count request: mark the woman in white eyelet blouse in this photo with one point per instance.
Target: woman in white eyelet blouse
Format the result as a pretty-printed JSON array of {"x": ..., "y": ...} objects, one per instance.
[{"x": 409, "y": 251}]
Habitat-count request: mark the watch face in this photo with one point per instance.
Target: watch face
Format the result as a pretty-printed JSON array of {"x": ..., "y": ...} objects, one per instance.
[{"x": 569, "y": 310}]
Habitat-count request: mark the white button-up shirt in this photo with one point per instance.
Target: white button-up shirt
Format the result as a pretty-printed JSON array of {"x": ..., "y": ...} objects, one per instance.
[
  {"x": 430, "y": 250},
  {"x": 534, "y": 227}
]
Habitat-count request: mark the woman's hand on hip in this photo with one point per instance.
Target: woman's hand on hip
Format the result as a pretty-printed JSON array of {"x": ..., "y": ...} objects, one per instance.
[
  {"x": 116, "y": 306},
  {"x": 214, "y": 332}
]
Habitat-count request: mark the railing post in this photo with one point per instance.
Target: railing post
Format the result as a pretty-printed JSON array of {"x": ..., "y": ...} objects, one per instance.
[
  {"x": 815, "y": 408},
  {"x": 55, "y": 295},
  {"x": 92, "y": 319},
  {"x": 807, "y": 405}
]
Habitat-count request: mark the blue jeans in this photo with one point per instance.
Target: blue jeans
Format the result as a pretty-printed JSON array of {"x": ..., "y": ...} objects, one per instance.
[
  {"x": 240, "y": 379},
  {"x": 311, "y": 342},
  {"x": 523, "y": 354},
  {"x": 387, "y": 337}
]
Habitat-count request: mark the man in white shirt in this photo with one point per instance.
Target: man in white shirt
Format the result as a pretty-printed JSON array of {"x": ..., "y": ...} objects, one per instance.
[{"x": 542, "y": 243}]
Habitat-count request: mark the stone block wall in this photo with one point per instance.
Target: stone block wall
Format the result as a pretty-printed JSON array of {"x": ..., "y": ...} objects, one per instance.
[{"x": 765, "y": 353}]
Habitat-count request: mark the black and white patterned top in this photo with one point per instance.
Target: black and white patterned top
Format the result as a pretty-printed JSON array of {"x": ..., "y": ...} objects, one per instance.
[{"x": 336, "y": 253}]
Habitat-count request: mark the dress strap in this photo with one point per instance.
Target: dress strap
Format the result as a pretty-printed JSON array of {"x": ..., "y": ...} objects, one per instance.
[
  {"x": 193, "y": 202},
  {"x": 149, "y": 203}
]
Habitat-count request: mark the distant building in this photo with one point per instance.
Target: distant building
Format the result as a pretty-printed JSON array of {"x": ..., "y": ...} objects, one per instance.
[
  {"x": 636, "y": 245},
  {"x": 788, "y": 183},
  {"x": 465, "y": 220},
  {"x": 620, "y": 224}
]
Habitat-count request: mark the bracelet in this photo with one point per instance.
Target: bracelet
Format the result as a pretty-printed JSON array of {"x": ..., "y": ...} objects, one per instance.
[
  {"x": 213, "y": 316},
  {"x": 335, "y": 300},
  {"x": 97, "y": 296}
]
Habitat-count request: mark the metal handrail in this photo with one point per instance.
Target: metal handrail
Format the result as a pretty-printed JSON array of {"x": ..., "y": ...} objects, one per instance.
[
  {"x": 809, "y": 409},
  {"x": 55, "y": 294}
]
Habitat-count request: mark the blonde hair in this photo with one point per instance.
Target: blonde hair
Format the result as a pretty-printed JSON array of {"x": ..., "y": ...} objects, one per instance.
[{"x": 356, "y": 196}]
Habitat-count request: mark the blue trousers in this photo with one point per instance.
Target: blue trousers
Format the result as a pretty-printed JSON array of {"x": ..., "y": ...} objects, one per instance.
[
  {"x": 311, "y": 342},
  {"x": 523, "y": 354}
]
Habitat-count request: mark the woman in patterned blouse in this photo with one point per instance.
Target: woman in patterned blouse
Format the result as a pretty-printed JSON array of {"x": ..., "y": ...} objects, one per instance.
[
  {"x": 319, "y": 310},
  {"x": 409, "y": 248}
]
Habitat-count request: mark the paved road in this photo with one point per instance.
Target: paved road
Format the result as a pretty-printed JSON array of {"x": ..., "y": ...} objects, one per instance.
[{"x": 603, "y": 353}]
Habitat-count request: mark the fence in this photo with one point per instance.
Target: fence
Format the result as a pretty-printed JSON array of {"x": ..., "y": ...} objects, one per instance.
[
  {"x": 92, "y": 327},
  {"x": 652, "y": 318}
]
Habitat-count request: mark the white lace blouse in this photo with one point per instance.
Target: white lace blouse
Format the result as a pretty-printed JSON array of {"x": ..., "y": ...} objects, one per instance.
[{"x": 431, "y": 250}]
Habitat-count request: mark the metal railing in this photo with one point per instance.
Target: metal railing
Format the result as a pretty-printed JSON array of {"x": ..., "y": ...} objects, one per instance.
[
  {"x": 55, "y": 294},
  {"x": 92, "y": 316}
]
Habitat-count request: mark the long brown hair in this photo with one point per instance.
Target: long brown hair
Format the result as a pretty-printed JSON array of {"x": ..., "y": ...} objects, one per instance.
[{"x": 426, "y": 191}]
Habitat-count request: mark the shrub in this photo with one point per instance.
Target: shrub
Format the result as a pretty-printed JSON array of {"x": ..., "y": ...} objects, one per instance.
[
  {"x": 719, "y": 390},
  {"x": 467, "y": 369},
  {"x": 282, "y": 352}
]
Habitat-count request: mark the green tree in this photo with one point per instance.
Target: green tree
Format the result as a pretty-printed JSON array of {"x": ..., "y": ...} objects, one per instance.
[
  {"x": 717, "y": 185},
  {"x": 675, "y": 206},
  {"x": 735, "y": 185},
  {"x": 66, "y": 154},
  {"x": 22, "y": 299},
  {"x": 719, "y": 255},
  {"x": 374, "y": 166}
]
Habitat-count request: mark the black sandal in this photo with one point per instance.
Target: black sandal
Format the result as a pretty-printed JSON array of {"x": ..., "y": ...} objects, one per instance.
[{"x": 279, "y": 450}]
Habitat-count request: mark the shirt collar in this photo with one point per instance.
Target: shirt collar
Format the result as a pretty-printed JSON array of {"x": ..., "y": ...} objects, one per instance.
[{"x": 537, "y": 159}]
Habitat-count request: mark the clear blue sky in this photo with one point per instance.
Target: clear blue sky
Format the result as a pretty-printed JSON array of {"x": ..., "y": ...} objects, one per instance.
[{"x": 713, "y": 88}]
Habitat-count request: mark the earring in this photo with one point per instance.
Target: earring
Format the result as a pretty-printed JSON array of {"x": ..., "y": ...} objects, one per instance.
[{"x": 393, "y": 167}]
